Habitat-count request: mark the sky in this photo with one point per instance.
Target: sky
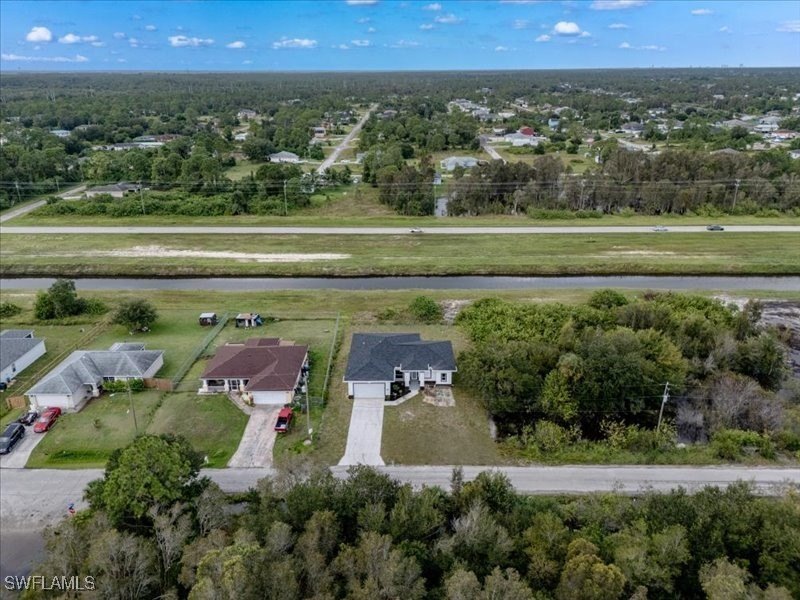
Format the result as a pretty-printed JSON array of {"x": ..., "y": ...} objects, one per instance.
[{"x": 384, "y": 35}]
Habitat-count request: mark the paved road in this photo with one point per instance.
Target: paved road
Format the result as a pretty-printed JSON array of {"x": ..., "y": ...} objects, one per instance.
[
  {"x": 22, "y": 210},
  {"x": 228, "y": 230},
  {"x": 255, "y": 447},
  {"x": 345, "y": 142},
  {"x": 31, "y": 498},
  {"x": 490, "y": 149},
  {"x": 364, "y": 435}
]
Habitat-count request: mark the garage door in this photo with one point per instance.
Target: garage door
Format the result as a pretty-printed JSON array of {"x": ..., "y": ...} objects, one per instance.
[{"x": 368, "y": 390}]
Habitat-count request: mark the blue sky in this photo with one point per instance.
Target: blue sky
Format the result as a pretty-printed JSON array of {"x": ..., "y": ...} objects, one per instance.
[{"x": 395, "y": 35}]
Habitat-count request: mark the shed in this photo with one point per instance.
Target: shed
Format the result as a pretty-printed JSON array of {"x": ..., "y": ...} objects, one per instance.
[
  {"x": 249, "y": 320},
  {"x": 207, "y": 318}
]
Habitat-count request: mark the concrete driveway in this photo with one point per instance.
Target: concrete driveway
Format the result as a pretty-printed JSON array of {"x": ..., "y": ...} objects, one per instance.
[
  {"x": 255, "y": 448},
  {"x": 364, "y": 436},
  {"x": 19, "y": 456}
]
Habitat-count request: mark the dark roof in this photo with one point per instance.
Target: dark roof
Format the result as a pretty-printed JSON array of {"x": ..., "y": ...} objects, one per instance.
[
  {"x": 267, "y": 364},
  {"x": 375, "y": 356}
]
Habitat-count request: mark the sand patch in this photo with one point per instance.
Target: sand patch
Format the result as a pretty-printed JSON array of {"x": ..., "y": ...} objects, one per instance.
[{"x": 162, "y": 252}]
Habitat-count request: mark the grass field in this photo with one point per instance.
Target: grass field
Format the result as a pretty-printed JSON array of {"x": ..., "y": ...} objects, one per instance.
[{"x": 542, "y": 254}]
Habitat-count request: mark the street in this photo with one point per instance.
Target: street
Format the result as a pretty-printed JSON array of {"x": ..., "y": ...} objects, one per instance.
[
  {"x": 31, "y": 206},
  {"x": 345, "y": 142}
]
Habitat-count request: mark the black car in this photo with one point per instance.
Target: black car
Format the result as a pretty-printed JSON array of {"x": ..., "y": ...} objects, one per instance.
[
  {"x": 10, "y": 437},
  {"x": 29, "y": 418}
]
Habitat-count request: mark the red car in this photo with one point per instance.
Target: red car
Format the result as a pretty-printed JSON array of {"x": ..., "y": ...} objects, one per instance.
[
  {"x": 47, "y": 420},
  {"x": 284, "y": 419}
]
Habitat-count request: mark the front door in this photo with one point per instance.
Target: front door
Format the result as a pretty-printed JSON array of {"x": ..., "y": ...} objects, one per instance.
[{"x": 414, "y": 376}]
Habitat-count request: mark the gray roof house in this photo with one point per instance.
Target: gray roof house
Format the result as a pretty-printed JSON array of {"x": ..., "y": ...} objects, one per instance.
[
  {"x": 377, "y": 360},
  {"x": 115, "y": 190},
  {"x": 81, "y": 375},
  {"x": 451, "y": 162},
  {"x": 18, "y": 350},
  {"x": 284, "y": 157}
]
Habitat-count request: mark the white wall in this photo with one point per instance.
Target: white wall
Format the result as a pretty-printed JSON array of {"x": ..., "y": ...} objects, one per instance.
[
  {"x": 66, "y": 403},
  {"x": 23, "y": 362},
  {"x": 273, "y": 397}
]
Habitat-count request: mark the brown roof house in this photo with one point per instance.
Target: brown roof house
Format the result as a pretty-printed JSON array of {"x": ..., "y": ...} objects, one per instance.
[{"x": 268, "y": 370}]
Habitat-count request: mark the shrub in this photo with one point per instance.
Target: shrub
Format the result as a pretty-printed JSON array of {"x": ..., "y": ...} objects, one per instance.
[
  {"x": 136, "y": 315},
  {"x": 607, "y": 299},
  {"x": 94, "y": 306},
  {"x": 730, "y": 444},
  {"x": 548, "y": 436},
  {"x": 137, "y": 385},
  {"x": 7, "y": 309},
  {"x": 425, "y": 309}
]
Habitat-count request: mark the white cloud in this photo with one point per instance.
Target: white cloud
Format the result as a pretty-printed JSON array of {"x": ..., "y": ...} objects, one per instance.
[
  {"x": 121, "y": 60},
  {"x": 361, "y": 43},
  {"x": 98, "y": 44},
  {"x": 650, "y": 47},
  {"x": 521, "y": 24},
  {"x": 361, "y": 2},
  {"x": 404, "y": 44},
  {"x": 56, "y": 59},
  {"x": 585, "y": 34},
  {"x": 133, "y": 42},
  {"x": 725, "y": 29},
  {"x": 294, "y": 43},
  {"x": 237, "y": 45},
  {"x": 181, "y": 41},
  {"x": 341, "y": 47},
  {"x": 71, "y": 38},
  {"x": 567, "y": 28},
  {"x": 618, "y": 26},
  {"x": 617, "y": 4},
  {"x": 789, "y": 27},
  {"x": 426, "y": 26},
  {"x": 371, "y": 30},
  {"x": 39, "y": 34},
  {"x": 501, "y": 49},
  {"x": 434, "y": 6},
  {"x": 118, "y": 35},
  {"x": 699, "y": 12},
  {"x": 543, "y": 38},
  {"x": 136, "y": 18},
  {"x": 247, "y": 62},
  {"x": 363, "y": 20},
  {"x": 150, "y": 28},
  {"x": 520, "y": 1},
  {"x": 448, "y": 19}
]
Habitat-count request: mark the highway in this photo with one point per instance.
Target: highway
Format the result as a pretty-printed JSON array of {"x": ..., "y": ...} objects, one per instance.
[
  {"x": 26, "y": 208},
  {"x": 233, "y": 230}
]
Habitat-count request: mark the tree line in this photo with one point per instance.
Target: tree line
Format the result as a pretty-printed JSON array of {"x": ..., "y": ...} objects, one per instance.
[{"x": 156, "y": 529}]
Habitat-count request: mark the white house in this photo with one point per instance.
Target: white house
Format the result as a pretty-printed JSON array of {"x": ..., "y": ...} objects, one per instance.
[
  {"x": 377, "y": 360},
  {"x": 284, "y": 157},
  {"x": 19, "y": 349},
  {"x": 794, "y": 154},
  {"x": 246, "y": 114},
  {"x": 267, "y": 370},
  {"x": 451, "y": 162},
  {"x": 81, "y": 375}
]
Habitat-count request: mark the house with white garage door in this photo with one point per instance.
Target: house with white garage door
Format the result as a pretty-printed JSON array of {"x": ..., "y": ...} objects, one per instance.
[
  {"x": 81, "y": 375},
  {"x": 379, "y": 360},
  {"x": 19, "y": 349},
  {"x": 264, "y": 370}
]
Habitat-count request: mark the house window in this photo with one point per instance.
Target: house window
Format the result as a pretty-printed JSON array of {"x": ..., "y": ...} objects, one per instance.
[{"x": 443, "y": 378}]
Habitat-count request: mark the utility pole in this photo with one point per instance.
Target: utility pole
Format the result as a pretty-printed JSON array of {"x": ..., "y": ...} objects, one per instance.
[
  {"x": 133, "y": 410},
  {"x": 16, "y": 185},
  {"x": 285, "y": 201},
  {"x": 664, "y": 399},
  {"x": 141, "y": 196},
  {"x": 735, "y": 194}
]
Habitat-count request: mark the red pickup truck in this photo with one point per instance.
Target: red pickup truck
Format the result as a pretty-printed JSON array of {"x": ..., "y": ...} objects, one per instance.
[{"x": 284, "y": 420}]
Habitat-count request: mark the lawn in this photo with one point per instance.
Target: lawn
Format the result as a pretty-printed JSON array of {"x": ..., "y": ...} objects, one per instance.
[
  {"x": 242, "y": 169},
  {"x": 483, "y": 254},
  {"x": 416, "y": 433},
  {"x": 87, "y": 438},
  {"x": 212, "y": 424}
]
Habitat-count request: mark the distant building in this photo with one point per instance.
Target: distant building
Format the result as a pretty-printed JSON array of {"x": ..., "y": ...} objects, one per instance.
[
  {"x": 794, "y": 154},
  {"x": 60, "y": 133},
  {"x": 115, "y": 190},
  {"x": 553, "y": 123},
  {"x": 240, "y": 137},
  {"x": 451, "y": 162},
  {"x": 284, "y": 157},
  {"x": 633, "y": 128},
  {"x": 319, "y": 132},
  {"x": 441, "y": 206},
  {"x": 246, "y": 114}
]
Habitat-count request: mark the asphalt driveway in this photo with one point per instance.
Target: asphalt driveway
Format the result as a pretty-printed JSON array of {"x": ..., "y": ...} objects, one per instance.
[
  {"x": 364, "y": 436},
  {"x": 255, "y": 448},
  {"x": 19, "y": 456}
]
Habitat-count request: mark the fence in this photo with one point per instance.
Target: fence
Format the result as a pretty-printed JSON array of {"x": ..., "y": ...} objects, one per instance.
[
  {"x": 198, "y": 351},
  {"x": 13, "y": 402},
  {"x": 162, "y": 385}
]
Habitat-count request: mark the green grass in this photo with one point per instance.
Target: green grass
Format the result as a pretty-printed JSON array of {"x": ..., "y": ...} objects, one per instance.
[
  {"x": 416, "y": 433},
  {"x": 242, "y": 169},
  {"x": 581, "y": 254},
  {"x": 87, "y": 438},
  {"x": 212, "y": 424}
]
